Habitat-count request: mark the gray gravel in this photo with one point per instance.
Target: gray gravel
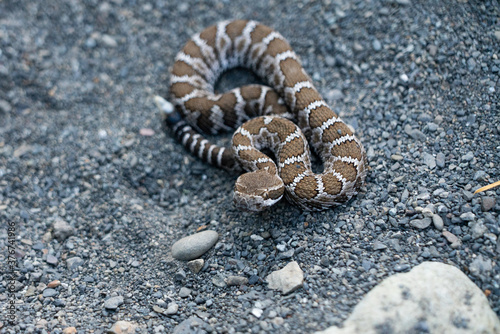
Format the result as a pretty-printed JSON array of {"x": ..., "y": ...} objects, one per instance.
[{"x": 81, "y": 141}]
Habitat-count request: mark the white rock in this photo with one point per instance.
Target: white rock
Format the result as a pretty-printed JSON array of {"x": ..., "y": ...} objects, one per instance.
[
  {"x": 256, "y": 237},
  {"x": 123, "y": 327},
  {"x": 194, "y": 246},
  {"x": 257, "y": 312},
  {"x": 109, "y": 41},
  {"x": 434, "y": 296},
  {"x": 62, "y": 230},
  {"x": 162, "y": 104},
  {"x": 288, "y": 279},
  {"x": 172, "y": 308}
]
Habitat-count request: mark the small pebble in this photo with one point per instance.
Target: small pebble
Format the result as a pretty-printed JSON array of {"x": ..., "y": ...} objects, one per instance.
[
  {"x": 180, "y": 275},
  {"x": 172, "y": 308},
  {"x": 468, "y": 157},
  {"x": 429, "y": 160},
  {"x": 467, "y": 216},
  {"x": 452, "y": 239},
  {"x": 257, "y": 312},
  {"x": 194, "y": 246},
  {"x": 377, "y": 245},
  {"x": 109, "y": 41},
  {"x": 438, "y": 222},
  {"x": 61, "y": 230},
  {"x": 123, "y": 327},
  {"x": 5, "y": 106},
  {"x": 113, "y": 303},
  {"x": 256, "y": 237},
  {"x": 334, "y": 95},
  {"x": 480, "y": 175},
  {"x": 421, "y": 223},
  {"x": 401, "y": 267},
  {"x": 196, "y": 265},
  {"x": 74, "y": 262},
  {"x": 478, "y": 229},
  {"x": 51, "y": 259},
  {"x": 236, "y": 280},
  {"x": 158, "y": 309},
  {"x": 440, "y": 160},
  {"x": 54, "y": 284},
  {"x": 287, "y": 280},
  {"x": 219, "y": 281},
  {"x": 487, "y": 203},
  {"x": 146, "y": 132},
  {"x": 50, "y": 293},
  {"x": 184, "y": 292}
]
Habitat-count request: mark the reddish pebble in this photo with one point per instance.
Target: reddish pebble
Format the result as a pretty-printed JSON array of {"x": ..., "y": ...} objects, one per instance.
[
  {"x": 54, "y": 284},
  {"x": 146, "y": 132}
]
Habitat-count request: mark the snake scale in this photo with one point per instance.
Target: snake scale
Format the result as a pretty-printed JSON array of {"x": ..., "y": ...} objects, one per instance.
[{"x": 263, "y": 115}]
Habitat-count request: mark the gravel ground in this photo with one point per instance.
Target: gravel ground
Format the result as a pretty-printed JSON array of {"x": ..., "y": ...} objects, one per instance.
[{"x": 81, "y": 144}]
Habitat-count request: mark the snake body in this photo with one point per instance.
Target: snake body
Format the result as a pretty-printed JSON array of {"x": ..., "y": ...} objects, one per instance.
[{"x": 263, "y": 115}]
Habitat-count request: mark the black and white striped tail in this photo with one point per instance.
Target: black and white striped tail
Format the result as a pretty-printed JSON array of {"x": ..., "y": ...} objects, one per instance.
[{"x": 194, "y": 142}]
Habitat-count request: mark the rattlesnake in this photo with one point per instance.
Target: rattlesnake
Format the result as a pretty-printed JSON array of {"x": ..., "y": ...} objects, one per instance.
[{"x": 198, "y": 109}]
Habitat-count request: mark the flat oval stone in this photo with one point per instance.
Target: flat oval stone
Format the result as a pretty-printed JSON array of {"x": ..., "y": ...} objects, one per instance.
[
  {"x": 113, "y": 303},
  {"x": 194, "y": 246}
]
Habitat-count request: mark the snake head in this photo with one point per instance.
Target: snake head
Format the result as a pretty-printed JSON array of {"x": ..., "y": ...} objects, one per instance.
[{"x": 258, "y": 190}]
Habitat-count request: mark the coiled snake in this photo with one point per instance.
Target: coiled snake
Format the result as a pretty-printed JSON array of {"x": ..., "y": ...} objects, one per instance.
[{"x": 264, "y": 113}]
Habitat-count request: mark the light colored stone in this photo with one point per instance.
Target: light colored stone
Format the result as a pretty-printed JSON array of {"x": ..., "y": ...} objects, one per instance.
[
  {"x": 477, "y": 228},
  {"x": 158, "y": 309},
  {"x": 487, "y": 203},
  {"x": 194, "y": 246},
  {"x": 497, "y": 34},
  {"x": 61, "y": 230},
  {"x": 196, "y": 265},
  {"x": 287, "y": 280},
  {"x": 334, "y": 95},
  {"x": 30, "y": 291},
  {"x": 123, "y": 327},
  {"x": 42, "y": 323},
  {"x": 5, "y": 106},
  {"x": 453, "y": 239},
  {"x": 74, "y": 262},
  {"x": 421, "y": 223},
  {"x": 438, "y": 222},
  {"x": 184, "y": 292},
  {"x": 435, "y": 296},
  {"x": 480, "y": 266},
  {"x": 113, "y": 303},
  {"x": 51, "y": 259},
  {"x": 257, "y": 312},
  {"x": 467, "y": 216},
  {"x": 172, "y": 308},
  {"x": 219, "y": 281},
  {"x": 109, "y": 41},
  {"x": 69, "y": 330},
  {"x": 429, "y": 160}
]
